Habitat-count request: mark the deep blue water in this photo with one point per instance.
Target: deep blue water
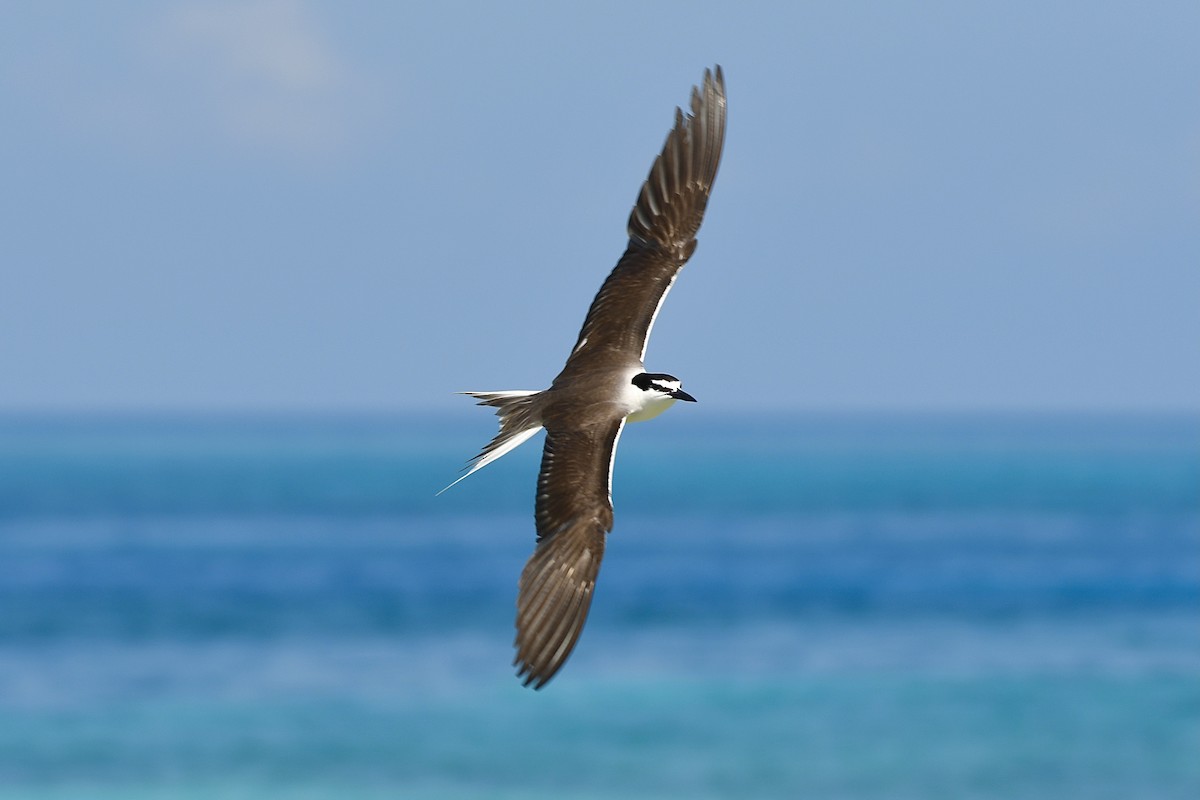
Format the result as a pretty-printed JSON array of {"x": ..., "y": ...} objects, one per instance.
[{"x": 819, "y": 606}]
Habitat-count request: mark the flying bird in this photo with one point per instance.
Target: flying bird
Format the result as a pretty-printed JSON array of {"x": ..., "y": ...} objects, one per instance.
[{"x": 603, "y": 385}]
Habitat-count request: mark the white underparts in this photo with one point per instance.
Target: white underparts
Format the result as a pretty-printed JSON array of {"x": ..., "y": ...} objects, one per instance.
[{"x": 653, "y": 404}]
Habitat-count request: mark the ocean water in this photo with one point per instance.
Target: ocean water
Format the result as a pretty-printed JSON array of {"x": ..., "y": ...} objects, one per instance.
[{"x": 816, "y": 606}]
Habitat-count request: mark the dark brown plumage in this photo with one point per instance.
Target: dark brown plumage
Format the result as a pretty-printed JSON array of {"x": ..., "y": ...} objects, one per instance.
[
  {"x": 603, "y": 385},
  {"x": 662, "y": 228},
  {"x": 584, "y": 412}
]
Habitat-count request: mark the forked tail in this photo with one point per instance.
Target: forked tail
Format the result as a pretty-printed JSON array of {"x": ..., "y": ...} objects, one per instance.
[{"x": 518, "y": 422}]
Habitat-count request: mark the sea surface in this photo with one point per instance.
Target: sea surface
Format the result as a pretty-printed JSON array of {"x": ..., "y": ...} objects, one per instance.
[{"x": 820, "y": 606}]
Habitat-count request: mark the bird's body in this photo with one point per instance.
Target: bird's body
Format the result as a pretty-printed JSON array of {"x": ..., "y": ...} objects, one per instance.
[{"x": 603, "y": 385}]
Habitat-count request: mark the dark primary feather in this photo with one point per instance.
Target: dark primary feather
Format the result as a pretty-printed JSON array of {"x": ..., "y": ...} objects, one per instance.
[
  {"x": 662, "y": 227},
  {"x": 574, "y": 513}
]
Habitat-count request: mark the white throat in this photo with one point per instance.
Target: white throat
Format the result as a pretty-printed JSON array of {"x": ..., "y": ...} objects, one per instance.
[{"x": 652, "y": 404}]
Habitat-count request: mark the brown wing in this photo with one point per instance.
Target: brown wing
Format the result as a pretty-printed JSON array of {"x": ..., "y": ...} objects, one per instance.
[
  {"x": 662, "y": 227},
  {"x": 574, "y": 514}
]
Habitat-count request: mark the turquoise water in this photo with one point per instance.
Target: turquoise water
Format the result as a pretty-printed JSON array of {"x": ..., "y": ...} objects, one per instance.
[{"x": 821, "y": 606}]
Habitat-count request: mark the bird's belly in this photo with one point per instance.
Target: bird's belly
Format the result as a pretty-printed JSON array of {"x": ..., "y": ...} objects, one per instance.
[{"x": 651, "y": 409}]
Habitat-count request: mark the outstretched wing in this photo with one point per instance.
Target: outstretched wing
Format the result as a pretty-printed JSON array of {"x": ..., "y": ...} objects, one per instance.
[
  {"x": 574, "y": 515},
  {"x": 662, "y": 228}
]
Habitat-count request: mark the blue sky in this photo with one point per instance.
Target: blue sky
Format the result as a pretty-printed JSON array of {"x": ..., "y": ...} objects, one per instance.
[{"x": 285, "y": 205}]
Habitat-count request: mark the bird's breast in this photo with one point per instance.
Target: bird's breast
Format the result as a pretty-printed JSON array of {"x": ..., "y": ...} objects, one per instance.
[{"x": 651, "y": 408}]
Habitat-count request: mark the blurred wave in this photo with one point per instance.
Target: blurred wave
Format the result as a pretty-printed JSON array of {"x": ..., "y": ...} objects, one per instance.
[{"x": 826, "y": 605}]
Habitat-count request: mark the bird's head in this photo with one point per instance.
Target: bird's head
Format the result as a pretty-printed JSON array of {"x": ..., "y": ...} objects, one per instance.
[
  {"x": 660, "y": 384},
  {"x": 658, "y": 392}
]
